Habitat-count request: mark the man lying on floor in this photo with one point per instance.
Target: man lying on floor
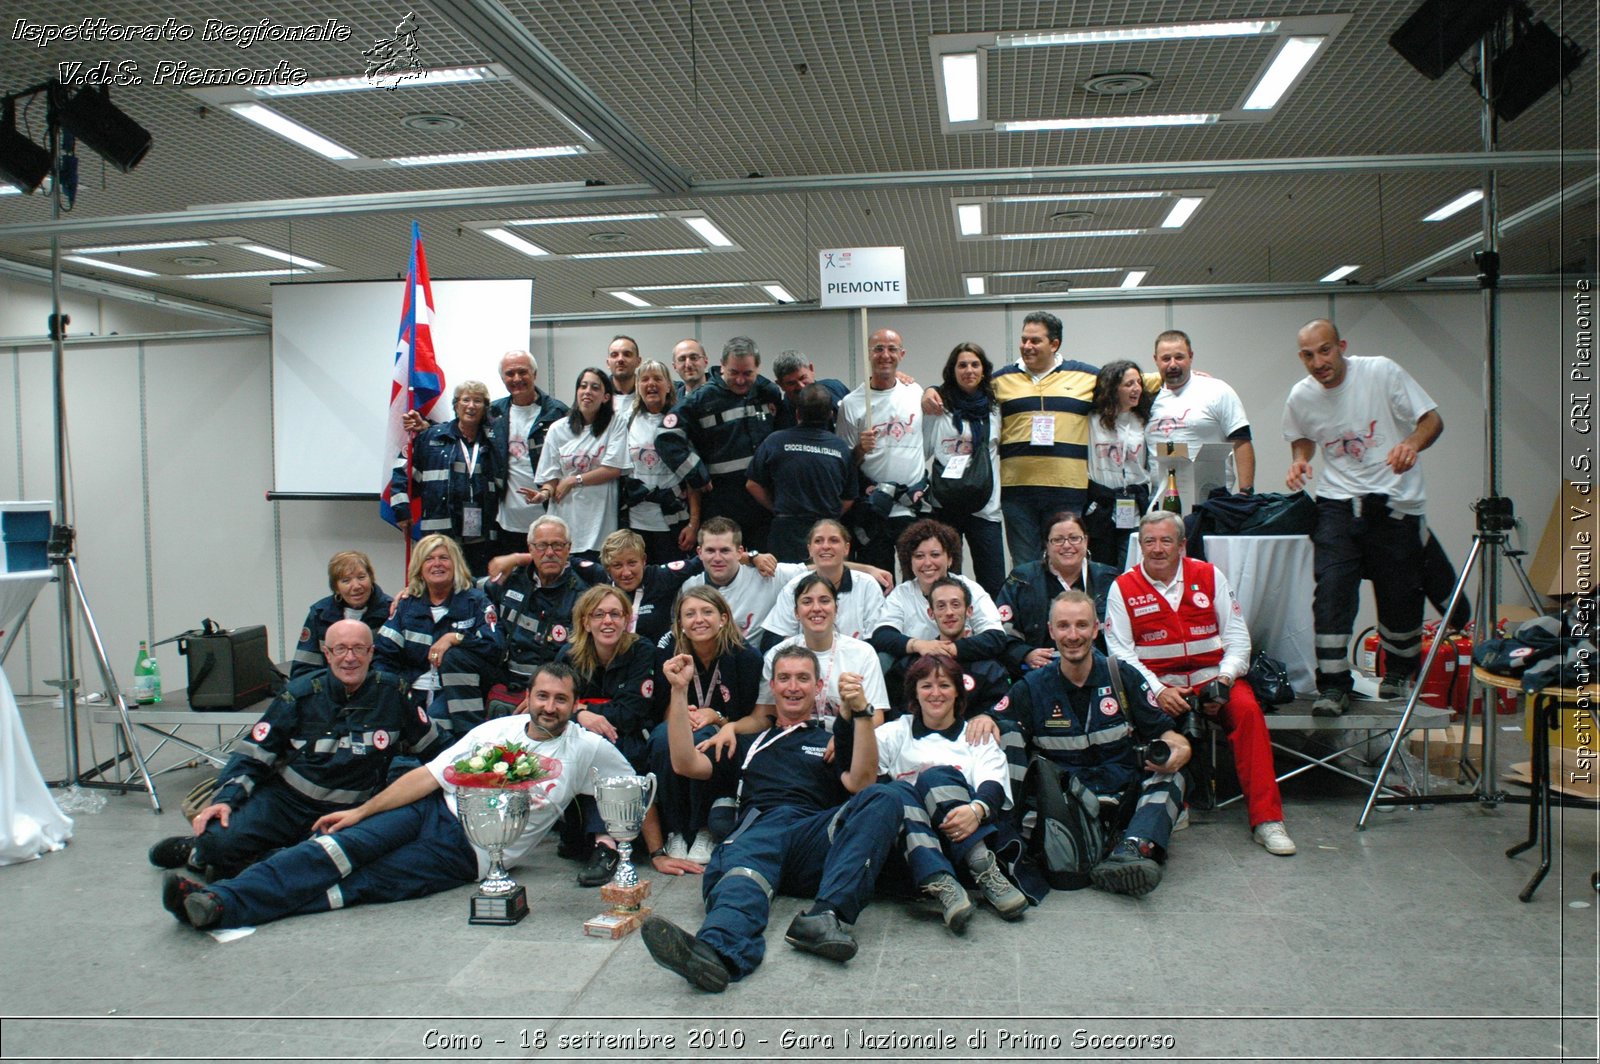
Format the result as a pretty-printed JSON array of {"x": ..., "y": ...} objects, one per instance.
[{"x": 405, "y": 841}]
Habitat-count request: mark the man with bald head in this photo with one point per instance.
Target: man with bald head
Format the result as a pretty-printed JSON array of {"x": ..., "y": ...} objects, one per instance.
[
  {"x": 323, "y": 745},
  {"x": 889, "y": 449},
  {"x": 1369, "y": 420},
  {"x": 517, "y": 427},
  {"x": 689, "y": 362}
]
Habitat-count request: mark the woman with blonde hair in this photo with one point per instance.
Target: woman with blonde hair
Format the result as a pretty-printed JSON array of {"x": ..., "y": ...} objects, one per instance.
[
  {"x": 662, "y": 491},
  {"x": 615, "y": 682},
  {"x": 725, "y": 684},
  {"x": 442, "y": 637}
]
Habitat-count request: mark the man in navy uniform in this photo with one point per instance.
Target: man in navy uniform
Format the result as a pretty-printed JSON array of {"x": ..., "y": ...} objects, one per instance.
[
  {"x": 727, "y": 419},
  {"x": 324, "y": 744},
  {"x": 805, "y": 827},
  {"x": 1086, "y": 727}
]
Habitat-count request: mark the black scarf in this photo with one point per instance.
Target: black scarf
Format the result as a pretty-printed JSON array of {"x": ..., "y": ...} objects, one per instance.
[{"x": 973, "y": 407}]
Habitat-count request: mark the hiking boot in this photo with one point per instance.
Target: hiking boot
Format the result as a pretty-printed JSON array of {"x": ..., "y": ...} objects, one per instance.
[
  {"x": 1394, "y": 688},
  {"x": 997, "y": 890},
  {"x": 1128, "y": 869},
  {"x": 953, "y": 900},
  {"x": 678, "y": 951},
  {"x": 203, "y": 910},
  {"x": 1331, "y": 702},
  {"x": 1274, "y": 837},
  {"x": 821, "y": 934},
  {"x": 172, "y": 852},
  {"x": 175, "y": 890}
]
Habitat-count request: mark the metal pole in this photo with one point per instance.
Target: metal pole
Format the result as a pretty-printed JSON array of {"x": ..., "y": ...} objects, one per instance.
[
  {"x": 58, "y": 327},
  {"x": 1489, "y": 278}
]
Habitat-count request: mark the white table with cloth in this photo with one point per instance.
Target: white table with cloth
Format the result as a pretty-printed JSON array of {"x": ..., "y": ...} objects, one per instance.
[{"x": 34, "y": 824}]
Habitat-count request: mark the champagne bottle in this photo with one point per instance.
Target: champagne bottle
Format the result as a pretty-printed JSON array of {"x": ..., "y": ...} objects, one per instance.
[
  {"x": 146, "y": 677},
  {"x": 1169, "y": 499}
]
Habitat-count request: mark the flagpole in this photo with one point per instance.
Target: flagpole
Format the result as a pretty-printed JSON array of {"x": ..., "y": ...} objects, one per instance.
[{"x": 411, "y": 390}]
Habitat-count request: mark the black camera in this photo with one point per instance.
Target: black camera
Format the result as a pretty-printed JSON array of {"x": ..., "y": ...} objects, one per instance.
[{"x": 1156, "y": 751}]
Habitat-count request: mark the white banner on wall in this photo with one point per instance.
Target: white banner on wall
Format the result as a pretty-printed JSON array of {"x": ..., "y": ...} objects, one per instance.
[
  {"x": 862, "y": 277},
  {"x": 333, "y": 360}
]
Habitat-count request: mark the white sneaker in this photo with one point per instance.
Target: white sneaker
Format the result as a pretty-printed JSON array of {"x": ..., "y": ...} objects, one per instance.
[
  {"x": 676, "y": 848},
  {"x": 1182, "y": 821},
  {"x": 700, "y": 852},
  {"x": 1273, "y": 836}
]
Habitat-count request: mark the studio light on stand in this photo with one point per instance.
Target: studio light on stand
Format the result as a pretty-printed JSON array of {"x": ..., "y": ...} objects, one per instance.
[
  {"x": 89, "y": 116},
  {"x": 1518, "y": 61}
]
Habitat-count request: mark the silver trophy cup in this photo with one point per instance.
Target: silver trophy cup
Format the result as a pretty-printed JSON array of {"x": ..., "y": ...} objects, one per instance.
[
  {"x": 493, "y": 818},
  {"x": 623, "y": 801}
]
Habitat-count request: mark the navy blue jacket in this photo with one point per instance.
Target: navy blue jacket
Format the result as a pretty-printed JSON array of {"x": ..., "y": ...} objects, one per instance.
[
  {"x": 403, "y": 642},
  {"x": 439, "y": 477},
  {"x": 325, "y": 613},
  {"x": 1024, "y": 604},
  {"x": 332, "y": 747}
]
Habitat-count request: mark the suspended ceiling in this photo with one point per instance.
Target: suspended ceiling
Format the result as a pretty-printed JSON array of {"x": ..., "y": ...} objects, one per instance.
[{"x": 795, "y": 127}]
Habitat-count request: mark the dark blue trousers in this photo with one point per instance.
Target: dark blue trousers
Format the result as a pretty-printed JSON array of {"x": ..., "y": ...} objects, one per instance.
[
  {"x": 410, "y": 852},
  {"x": 682, "y": 803},
  {"x": 834, "y": 856},
  {"x": 927, "y": 800},
  {"x": 275, "y": 815}
]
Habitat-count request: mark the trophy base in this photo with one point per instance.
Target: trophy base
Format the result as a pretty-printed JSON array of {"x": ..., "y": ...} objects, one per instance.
[
  {"x": 614, "y": 924},
  {"x": 501, "y": 910},
  {"x": 620, "y": 898}
]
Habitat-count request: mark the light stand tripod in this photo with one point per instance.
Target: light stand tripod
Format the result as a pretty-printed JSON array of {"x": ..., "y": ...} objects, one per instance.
[
  {"x": 1495, "y": 517},
  {"x": 69, "y": 583}
]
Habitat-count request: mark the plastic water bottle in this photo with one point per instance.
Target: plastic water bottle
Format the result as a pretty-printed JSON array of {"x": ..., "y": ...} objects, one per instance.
[{"x": 146, "y": 677}]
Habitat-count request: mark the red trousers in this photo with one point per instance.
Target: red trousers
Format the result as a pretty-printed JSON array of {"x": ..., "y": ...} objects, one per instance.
[{"x": 1246, "y": 729}]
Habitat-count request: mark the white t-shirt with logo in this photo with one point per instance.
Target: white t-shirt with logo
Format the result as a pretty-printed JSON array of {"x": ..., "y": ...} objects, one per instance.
[
  {"x": 1355, "y": 425},
  {"x": 590, "y": 510},
  {"x": 898, "y": 457},
  {"x": 943, "y": 442},
  {"x": 1120, "y": 457},
  {"x": 516, "y": 513},
  {"x": 857, "y": 609},
  {"x": 750, "y": 595}
]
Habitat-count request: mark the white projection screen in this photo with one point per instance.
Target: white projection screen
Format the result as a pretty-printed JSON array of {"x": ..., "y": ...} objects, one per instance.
[{"x": 333, "y": 358}]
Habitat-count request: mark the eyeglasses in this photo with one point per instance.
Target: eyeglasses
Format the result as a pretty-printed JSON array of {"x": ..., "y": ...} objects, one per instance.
[
  {"x": 607, "y": 615},
  {"x": 359, "y": 650},
  {"x": 879, "y": 349},
  {"x": 550, "y": 546},
  {"x": 1068, "y": 541}
]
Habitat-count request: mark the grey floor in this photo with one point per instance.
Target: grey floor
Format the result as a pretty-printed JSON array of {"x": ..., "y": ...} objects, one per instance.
[{"x": 1403, "y": 941}]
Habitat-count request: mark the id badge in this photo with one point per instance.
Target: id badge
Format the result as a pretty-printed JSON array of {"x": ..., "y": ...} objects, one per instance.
[
  {"x": 471, "y": 522},
  {"x": 956, "y": 466},
  {"x": 1126, "y": 515},
  {"x": 1044, "y": 431}
]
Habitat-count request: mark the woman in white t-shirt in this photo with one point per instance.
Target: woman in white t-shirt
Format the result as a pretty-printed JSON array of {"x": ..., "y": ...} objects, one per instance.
[
  {"x": 969, "y": 428},
  {"x": 663, "y": 487},
  {"x": 815, "y": 604},
  {"x": 583, "y": 457},
  {"x": 1121, "y": 468}
]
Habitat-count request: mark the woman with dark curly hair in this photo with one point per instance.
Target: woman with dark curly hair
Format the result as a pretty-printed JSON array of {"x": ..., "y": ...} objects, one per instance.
[
  {"x": 582, "y": 459},
  {"x": 1121, "y": 468},
  {"x": 927, "y": 550}
]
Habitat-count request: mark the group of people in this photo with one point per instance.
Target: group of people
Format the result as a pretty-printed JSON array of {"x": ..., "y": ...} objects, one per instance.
[{"x": 741, "y": 677}]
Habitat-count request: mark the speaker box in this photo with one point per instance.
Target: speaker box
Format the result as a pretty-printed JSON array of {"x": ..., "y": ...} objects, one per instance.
[{"x": 228, "y": 669}]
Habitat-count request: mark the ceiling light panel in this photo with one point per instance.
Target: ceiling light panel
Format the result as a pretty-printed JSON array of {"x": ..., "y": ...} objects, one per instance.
[
  {"x": 1199, "y": 73},
  {"x": 114, "y": 267},
  {"x": 290, "y": 130},
  {"x": 629, "y": 298},
  {"x": 361, "y": 83},
  {"x": 1338, "y": 275},
  {"x": 1455, "y": 206}
]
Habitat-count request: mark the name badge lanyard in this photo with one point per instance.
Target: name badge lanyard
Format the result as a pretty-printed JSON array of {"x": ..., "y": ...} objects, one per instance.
[
  {"x": 471, "y": 458},
  {"x": 700, "y": 691},
  {"x": 755, "y": 748}
]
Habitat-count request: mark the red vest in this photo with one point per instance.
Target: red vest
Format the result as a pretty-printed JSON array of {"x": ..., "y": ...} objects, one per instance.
[{"x": 1182, "y": 646}]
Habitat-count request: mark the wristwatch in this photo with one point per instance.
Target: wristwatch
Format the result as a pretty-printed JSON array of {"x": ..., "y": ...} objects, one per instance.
[{"x": 661, "y": 852}]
